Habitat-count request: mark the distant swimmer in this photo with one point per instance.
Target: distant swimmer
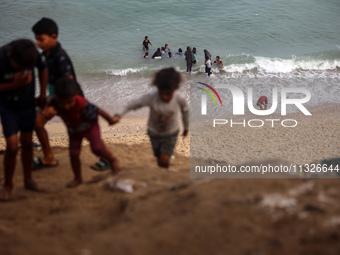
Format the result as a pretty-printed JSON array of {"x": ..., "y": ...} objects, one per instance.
[
  {"x": 146, "y": 55},
  {"x": 219, "y": 62},
  {"x": 180, "y": 51},
  {"x": 158, "y": 53},
  {"x": 146, "y": 43},
  {"x": 263, "y": 100}
]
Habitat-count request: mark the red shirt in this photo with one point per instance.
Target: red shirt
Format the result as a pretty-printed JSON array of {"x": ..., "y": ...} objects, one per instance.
[
  {"x": 262, "y": 99},
  {"x": 82, "y": 116}
]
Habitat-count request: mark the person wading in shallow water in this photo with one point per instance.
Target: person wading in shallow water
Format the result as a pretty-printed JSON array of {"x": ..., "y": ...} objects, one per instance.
[{"x": 146, "y": 43}]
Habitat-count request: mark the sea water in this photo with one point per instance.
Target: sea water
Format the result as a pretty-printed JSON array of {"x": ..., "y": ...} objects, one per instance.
[{"x": 263, "y": 44}]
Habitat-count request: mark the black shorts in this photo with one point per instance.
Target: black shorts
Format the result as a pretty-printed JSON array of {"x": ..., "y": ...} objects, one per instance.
[
  {"x": 163, "y": 144},
  {"x": 14, "y": 121}
]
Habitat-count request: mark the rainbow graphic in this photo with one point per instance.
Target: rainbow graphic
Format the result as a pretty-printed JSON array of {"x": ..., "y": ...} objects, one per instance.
[{"x": 209, "y": 93}]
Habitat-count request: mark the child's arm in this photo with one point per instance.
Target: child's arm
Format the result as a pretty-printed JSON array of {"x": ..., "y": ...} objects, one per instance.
[
  {"x": 106, "y": 116},
  {"x": 50, "y": 110},
  {"x": 116, "y": 118},
  {"x": 19, "y": 79},
  {"x": 92, "y": 111},
  {"x": 136, "y": 104},
  {"x": 140, "y": 102},
  {"x": 185, "y": 114},
  {"x": 43, "y": 79}
]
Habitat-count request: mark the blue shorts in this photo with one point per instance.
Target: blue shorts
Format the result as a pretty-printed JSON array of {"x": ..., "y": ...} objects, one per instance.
[{"x": 14, "y": 121}]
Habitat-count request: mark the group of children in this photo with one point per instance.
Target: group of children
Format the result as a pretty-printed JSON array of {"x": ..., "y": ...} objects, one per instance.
[
  {"x": 208, "y": 63},
  {"x": 159, "y": 52},
  {"x": 21, "y": 112}
]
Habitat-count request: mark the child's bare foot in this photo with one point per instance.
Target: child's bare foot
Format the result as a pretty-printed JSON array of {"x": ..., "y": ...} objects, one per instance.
[
  {"x": 32, "y": 185},
  {"x": 5, "y": 193},
  {"x": 115, "y": 166},
  {"x": 74, "y": 183}
]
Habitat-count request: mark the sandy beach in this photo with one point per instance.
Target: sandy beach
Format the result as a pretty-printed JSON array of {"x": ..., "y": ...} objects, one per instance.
[
  {"x": 169, "y": 213},
  {"x": 313, "y": 139}
]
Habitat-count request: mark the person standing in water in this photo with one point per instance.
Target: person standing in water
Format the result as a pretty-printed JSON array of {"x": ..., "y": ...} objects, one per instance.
[
  {"x": 188, "y": 59},
  {"x": 146, "y": 43},
  {"x": 194, "y": 55}
]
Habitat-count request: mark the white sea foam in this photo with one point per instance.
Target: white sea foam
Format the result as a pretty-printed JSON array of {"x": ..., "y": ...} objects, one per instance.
[
  {"x": 125, "y": 72},
  {"x": 266, "y": 66},
  {"x": 236, "y": 65}
]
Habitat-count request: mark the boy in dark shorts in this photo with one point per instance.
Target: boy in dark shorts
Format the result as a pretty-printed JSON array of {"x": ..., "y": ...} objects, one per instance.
[
  {"x": 81, "y": 120},
  {"x": 17, "y": 107},
  {"x": 59, "y": 65},
  {"x": 263, "y": 100},
  {"x": 165, "y": 105}
]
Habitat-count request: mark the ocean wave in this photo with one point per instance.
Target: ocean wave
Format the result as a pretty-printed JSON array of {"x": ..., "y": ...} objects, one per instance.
[
  {"x": 267, "y": 65},
  {"x": 245, "y": 64}
]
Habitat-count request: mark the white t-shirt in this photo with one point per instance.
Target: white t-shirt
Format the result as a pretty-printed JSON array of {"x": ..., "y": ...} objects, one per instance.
[
  {"x": 163, "y": 118},
  {"x": 208, "y": 63}
]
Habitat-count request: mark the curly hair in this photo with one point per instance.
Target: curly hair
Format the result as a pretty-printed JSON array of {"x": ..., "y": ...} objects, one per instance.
[{"x": 167, "y": 79}]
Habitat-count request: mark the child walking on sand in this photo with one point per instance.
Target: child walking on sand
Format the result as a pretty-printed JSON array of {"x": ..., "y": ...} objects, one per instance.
[
  {"x": 81, "y": 120},
  {"x": 165, "y": 104},
  {"x": 17, "y": 107}
]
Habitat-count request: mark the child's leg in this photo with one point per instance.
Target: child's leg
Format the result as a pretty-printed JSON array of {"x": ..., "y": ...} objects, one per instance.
[
  {"x": 163, "y": 160},
  {"x": 26, "y": 160},
  {"x": 76, "y": 167},
  {"x": 75, "y": 144},
  {"x": 42, "y": 135},
  {"x": 107, "y": 154},
  {"x": 163, "y": 147},
  {"x": 167, "y": 149},
  {"x": 9, "y": 165},
  {"x": 99, "y": 148}
]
